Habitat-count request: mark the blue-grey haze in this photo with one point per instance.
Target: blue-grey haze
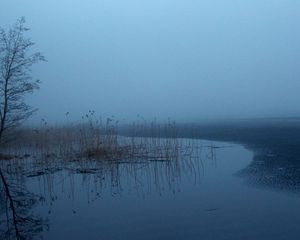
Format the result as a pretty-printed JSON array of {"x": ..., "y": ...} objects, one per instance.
[{"x": 184, "y": 59}]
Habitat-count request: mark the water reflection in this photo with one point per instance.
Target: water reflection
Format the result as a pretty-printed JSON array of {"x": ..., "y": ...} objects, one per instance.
[
  {"x": 137, "y": 177},
  {"x": 41, "y": 182},
  {"x": 16, "y": 219}
]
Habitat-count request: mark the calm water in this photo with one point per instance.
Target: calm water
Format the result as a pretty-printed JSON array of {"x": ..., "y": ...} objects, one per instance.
[{"x": 198, "y": 198}]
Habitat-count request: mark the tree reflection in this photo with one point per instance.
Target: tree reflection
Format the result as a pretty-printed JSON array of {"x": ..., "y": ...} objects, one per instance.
[{"x": 16, "y": 202}]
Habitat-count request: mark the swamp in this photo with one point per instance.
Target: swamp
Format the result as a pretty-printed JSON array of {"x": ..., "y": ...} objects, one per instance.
[
  {"x": 149, "y": 120},
  {"x": 146, "y": 181}
]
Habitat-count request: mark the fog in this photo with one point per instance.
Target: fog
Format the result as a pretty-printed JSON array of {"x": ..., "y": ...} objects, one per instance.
[{"x": 188, "y": 60}]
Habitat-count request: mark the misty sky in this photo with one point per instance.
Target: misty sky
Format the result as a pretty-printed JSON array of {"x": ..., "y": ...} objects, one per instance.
[{"x": 187, "y": 59}]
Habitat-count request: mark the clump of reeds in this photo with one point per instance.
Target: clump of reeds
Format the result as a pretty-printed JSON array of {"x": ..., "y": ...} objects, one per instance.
[{"x": 99, "y": 139}]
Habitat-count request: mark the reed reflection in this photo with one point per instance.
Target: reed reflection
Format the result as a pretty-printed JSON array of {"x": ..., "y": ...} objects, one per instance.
[
  {"x": 40, "y": 182},
  {"x": 151, "y": 175}
]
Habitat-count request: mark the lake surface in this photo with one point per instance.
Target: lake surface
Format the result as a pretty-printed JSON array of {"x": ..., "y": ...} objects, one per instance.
[{"x": 194, "y": 198}]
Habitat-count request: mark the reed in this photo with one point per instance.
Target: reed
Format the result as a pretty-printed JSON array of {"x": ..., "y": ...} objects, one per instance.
[
  {"x": 98, "y": 139},
  {"x": 103, "y": 153}
]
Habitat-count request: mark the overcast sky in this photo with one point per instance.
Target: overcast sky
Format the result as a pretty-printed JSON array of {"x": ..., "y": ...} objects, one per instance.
[{"x": 187, "y": 59}]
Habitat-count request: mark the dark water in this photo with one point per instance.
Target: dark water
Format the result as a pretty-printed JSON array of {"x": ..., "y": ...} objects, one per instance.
[{"x": 194, "y": 198}]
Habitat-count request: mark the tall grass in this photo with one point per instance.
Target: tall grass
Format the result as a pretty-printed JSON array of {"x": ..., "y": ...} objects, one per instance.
[{"x": 100, "y": 139}]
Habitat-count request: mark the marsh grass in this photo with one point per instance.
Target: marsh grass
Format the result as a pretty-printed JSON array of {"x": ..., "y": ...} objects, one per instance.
[
  {"x": 96, "y": 143},
  {"x": 98, "y": 139},
  {"x": 102, "y": 155}
]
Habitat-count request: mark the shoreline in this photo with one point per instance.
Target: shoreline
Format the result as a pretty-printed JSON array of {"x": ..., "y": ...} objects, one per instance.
[{"x": 275, "y": 145}]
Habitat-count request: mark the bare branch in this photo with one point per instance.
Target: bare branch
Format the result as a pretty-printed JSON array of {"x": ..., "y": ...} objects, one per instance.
[{"x": 16, "y": 80}]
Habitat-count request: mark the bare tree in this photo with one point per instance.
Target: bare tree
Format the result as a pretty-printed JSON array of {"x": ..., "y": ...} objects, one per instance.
[
  {"x": 16, "y": 81},
  {"x": 16, "y": 60}
]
